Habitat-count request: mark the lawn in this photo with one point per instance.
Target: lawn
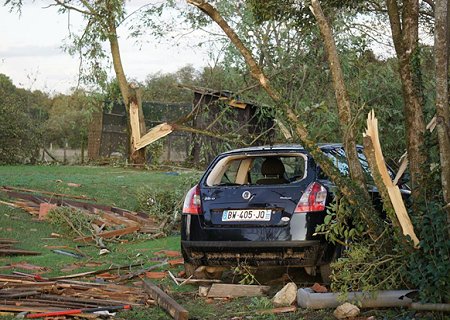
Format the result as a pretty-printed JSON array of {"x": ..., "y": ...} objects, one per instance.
[
  {"x": 119, "y": 187},
  {"x": 113, "y": 186}
]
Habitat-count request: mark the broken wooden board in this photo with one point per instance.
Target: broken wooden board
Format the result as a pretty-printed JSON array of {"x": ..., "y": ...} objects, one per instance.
[
  {"x": 18, "y": 252},
  {"x": 278, "y": 310},
  {"x": 165, "y": 301},
  {"x": 110, "y": 234},
  {"x": 223, "y": 290},
  {"x": 26, "y": 294}
]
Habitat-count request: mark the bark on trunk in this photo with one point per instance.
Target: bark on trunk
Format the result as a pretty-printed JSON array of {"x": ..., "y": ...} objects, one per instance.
[
  {"x": 404, "y": 27},
  {"x": 352, "y": 192},
  {"x": 136, "y": 157},
  {"x": 343, "y": 101},
  {"x": 442, "y": 106}
]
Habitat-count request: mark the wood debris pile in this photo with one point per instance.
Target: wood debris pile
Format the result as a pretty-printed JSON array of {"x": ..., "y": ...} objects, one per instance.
[
  {"x": 7, "y": 247},
  {"x": 24, "y": 294},
  {"x": 117, "y": 221}
]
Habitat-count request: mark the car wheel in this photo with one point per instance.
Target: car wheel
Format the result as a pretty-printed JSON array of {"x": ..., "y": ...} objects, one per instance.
[
  {"x": 325, "y": 273},
  {"x": 325, "y": 269}
]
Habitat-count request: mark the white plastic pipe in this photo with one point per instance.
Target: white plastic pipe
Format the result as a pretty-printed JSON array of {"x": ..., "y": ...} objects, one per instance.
[{"x": 307, "y": 298}]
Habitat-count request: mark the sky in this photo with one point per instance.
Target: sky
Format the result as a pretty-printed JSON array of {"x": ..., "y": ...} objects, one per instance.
[{"x": 31, "y": 54}]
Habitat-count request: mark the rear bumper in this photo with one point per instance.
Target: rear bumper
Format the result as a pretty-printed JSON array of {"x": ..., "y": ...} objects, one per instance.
[{"x": 256, "y": 253}]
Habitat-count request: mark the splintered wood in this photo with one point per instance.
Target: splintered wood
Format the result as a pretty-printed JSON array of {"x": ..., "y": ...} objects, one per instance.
[
  {"x": 393, "y": 190},
  {"x": 19, "y": 294},
  {"x": 154, "y": 134},
  {"x": 117, "y": 221}
]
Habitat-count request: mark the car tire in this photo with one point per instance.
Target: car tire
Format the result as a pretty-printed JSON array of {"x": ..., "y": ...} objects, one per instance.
[
  {"x": 325, "y": 269},
  {"x": 325, "y": 273}
]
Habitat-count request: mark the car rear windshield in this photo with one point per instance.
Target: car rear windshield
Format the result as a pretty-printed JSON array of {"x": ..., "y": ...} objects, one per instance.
[{"x": 263, "y": 169}]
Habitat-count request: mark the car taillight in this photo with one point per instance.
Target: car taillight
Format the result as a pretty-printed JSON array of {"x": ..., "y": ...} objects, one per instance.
[
  {"x": 314, "y": 199},
  {"x": 192, "y": 202}
]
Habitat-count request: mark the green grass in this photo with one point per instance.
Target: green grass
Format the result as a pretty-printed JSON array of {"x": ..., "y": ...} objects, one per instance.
[{"x": 113, "y": 186}]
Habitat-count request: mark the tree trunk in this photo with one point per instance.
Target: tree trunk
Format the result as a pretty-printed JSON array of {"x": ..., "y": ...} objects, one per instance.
[
  {"x": 82, "y": 151},
  {"x": 352, "y": 192},
  {"x": 442, "y": 106},
  {"x": 404, "y": 27},
  {"x": 136, "y": 157},
  {"x": 343, "y": 101}
]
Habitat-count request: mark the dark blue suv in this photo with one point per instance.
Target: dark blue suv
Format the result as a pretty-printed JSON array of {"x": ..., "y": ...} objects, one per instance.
[{"x": 260, "y": 206}]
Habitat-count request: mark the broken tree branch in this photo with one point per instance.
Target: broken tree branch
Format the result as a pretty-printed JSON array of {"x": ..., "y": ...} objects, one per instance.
[{"x": 393, "y": 191}]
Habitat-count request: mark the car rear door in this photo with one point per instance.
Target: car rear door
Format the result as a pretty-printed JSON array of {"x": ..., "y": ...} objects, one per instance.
[{"x": 242, "y": 197}]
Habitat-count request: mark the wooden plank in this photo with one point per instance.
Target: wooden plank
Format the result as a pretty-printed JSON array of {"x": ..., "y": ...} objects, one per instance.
[
  {"x": 223, "y": 290},
  {"x": 18, "y": 252},
  {"x": 8, "y": 241},
  {"x": 27, "y": 309},
  {"x": 110, "y": 234},
  {"x": 140, "y": 272},
  {"x": 165, "y": 301},
  {"x": 136, "y": 218},
  {"x": 83, "y": 274},
  {"x": 117, "y": 219},
  {"x": 278, "y": 310}
]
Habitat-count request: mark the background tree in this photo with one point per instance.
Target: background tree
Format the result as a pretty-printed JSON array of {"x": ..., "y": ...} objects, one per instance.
[
  {"x": 69, "y": 118},
  {"x": 441, "y": 47},
  {"x": 21, "y": 113}
]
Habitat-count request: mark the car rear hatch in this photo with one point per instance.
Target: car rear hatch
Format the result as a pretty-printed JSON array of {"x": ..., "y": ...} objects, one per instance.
[{"x": 254, "y": 189}]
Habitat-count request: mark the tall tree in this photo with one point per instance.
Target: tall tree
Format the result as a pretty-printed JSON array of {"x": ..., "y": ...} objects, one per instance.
[
  {"x": 404, "y": 22},
  {"x": 441, "y": 48},
  {"x": 103, "y": 19}
]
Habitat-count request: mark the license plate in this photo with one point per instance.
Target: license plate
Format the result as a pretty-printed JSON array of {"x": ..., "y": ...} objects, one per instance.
[{"x": 246, "y": 215}]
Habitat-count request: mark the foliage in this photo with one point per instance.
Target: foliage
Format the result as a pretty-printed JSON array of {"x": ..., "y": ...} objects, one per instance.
[
  {"x": 260, "y": 303},
  {"x": 166, "y": 204},
  {"x": 339, "y": 224},
  {"x": 245, "y": 273},
  {"x": 21, "y": 113},
  {"x": 69, "y": 117},
  {"x": 154, "y": 152},
  {"x": 368, "y": 266},
  {"x": 429, "y": 267},
  {"x": 71, "y": 222},
  {"x": 163, "y": 87}
]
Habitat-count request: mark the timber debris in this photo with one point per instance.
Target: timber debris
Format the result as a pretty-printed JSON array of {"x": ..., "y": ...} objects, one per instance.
[
  {"x": 25, "y": 294},
  {"x": 116, "y": 221},
  {"x": 7, "y": 249}
]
